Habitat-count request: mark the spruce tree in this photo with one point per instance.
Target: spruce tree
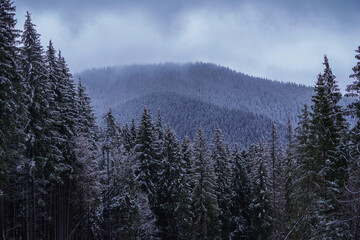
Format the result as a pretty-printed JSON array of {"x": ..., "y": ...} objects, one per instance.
[
  {"x": 353, "y": 91},
  {"x": 174, "y": 191},
  {"x": 221, "y": 162},
  {"x": 12, "y": 118},
  {"x": 327, "y": 128},
  {"x": 40, "y": 139},
  {"x": 205, "y": 205},
  {"x": 261, "y": 203},
  {"x": 276, "y": 183},
  {"x": 240, "y": 224},
  {"x": 110, "y": 165},
  {"x": 147, "y": 158},
  {"x": 289, "y": 171}
]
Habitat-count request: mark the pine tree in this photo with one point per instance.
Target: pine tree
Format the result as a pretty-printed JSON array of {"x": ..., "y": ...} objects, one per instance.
[
  {"x": 174, "y": 191},
  {"x": 86, "y": 118},
  {"x": 12, "y": 118},
  {"x": 328, "y": 126},
  {"x": 220, "y": 159},
  {"x": 187, "y": 160},
  {"x": 261, "y": 202},
  {"x": 276, "y": 184},
  {"x": 86, "y": 188},
  {"x": 126, "y": 137},
  {"x": 147, "y": 159},
  {"x": 289, "y": 171},
  {"x": 205, "y": 205},
  {"x": 353, "y": 91},
  {"x": 110, "y": 164},
  {"x": 133, "y": 132},
  {"x": 240, "y": 199},
  {"x": 40, "y": 140},
  {"x": 303, "y": 221}
]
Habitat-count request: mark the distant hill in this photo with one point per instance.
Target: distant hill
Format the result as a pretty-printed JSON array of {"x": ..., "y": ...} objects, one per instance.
[
  {"x": 185, "y": 115},
  {"x": 195, "y": 94}
]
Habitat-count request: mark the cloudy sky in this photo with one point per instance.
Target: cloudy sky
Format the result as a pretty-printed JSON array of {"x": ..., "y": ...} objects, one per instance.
[{"x": 283, "y": 40}]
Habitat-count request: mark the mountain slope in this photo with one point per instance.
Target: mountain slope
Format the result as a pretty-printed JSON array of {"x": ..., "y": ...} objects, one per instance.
[
  {"x": 112, "y": 86},
  {"x": 185, "y": 115}
]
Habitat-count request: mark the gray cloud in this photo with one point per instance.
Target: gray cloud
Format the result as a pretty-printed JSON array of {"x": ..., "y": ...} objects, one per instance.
[{"x": 283, "y": 40}]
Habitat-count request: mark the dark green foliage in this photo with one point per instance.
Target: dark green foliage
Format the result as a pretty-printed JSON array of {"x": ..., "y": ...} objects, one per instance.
[
  {"x": 148, "y": 163},
  {"x": 205, "y": 204},
  {"x": 176, "y": 111},
  {"x": 353, "y": 91},
  {"x": 174, "y": 191},
  {"x": 221, "y": 161},
  {"x": 240, "y": 199},
  {"x": 327, "y": 129},
  {"x": 261, "y": 202}
]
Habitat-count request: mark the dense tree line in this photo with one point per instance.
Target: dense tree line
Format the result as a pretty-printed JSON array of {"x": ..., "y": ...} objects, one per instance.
[{"x": 62, "y": 177}]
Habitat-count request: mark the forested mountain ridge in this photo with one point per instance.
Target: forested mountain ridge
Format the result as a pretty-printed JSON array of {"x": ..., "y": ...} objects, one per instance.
[
  {"x": 62, "y": 177},
  {"x": 185, "y": 115},
  {"x": 112, "y": 86}
]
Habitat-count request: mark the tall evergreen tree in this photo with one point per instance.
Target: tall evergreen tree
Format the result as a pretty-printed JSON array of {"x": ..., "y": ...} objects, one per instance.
[
  {"x": 110, "y": 165},
  {"x": 221, "y": 162},
  {"x": 12, "y": 118},
  {"x": 174, "y": 192},
  {"x": 40, "y": 139},
  {"x": 353, "y": 91},
  {"x": 206, "y": 208},
  {"x": 147, "y": 158},
  {"x": 240, "y": 199},
  {"x": 289, "y": 171},
  {"x": 276, "y": 184},
  {"x": 327, "y": 128},
  {"x": 261, "y": 202}
]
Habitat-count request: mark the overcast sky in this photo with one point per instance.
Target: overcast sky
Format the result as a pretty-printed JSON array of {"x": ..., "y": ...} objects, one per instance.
[{"x": 282, "y": 40}]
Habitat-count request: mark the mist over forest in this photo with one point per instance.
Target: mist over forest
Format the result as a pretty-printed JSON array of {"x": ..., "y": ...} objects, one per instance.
[{"x": 171, "y": 151}]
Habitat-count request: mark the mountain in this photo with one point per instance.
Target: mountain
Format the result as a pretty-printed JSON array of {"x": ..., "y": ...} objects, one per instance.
[
  {"x": 194, "y": 94},
  {"x": 185, "y": 115}
]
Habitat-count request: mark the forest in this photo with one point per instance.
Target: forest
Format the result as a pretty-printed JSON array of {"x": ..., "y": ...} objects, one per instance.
[{"x": 65, "y": 176}]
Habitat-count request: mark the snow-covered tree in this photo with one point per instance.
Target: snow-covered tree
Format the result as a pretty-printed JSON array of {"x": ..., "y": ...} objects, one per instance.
[
  {"x": 276, "y": 183},
  {"x": 222, "y": 166},
  {"x": 240, "y": 224},
  {"x": 147, "y": 159},
  {"x": 353, "y": 91},
  {"x": 261, "y": 202},
  {"x": 289, "y": 165},
  {"x": 173, "y": 191},
  {"x": 205, "y": 205},
  {"x": 13, "y": 116},
  {"x": 327, "y": 128}
]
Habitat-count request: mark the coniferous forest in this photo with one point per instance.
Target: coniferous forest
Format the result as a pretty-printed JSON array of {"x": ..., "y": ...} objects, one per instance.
[{"x": 63, "y": 176}]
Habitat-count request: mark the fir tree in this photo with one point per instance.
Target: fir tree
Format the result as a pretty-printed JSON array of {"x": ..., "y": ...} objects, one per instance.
[
  {"x": 86, "y": 118},
  {"x": 289, "y": 171},
  {"x": 206, "y": 209},
  {"x": 240, "y": 199},
  {"x": 353, "y": 91},
  {"x": 174, "y": 192},
  {"x": 276, "y": 184},
  {"x": 147, "y": 158},
  {"x": 12, "y": 118},
  {"x": 261, "y": 202},
  {"x": 327, "y": 128},
  {"x": 220, "y": 159}
]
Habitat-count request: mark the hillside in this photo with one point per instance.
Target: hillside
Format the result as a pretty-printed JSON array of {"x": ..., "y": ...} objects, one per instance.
[
  {"x": 194, "y": 94},
  {"x": 112, "y": 86},
  {"x": 185, "y": 115}
]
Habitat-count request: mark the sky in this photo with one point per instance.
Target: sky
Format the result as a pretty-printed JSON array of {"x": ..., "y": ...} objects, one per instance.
[{"x": 282, "y": 40}]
